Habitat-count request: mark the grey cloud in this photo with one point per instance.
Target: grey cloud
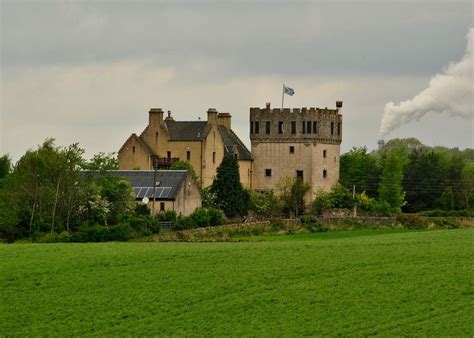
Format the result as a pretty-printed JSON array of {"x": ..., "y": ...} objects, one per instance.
[{"x": 213, "y": 40}]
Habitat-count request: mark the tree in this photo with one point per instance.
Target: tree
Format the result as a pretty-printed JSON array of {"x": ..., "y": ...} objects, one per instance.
[
  {"x": 391, "y": 190},
  {"x": 422, "y": 190},
  {"x": 102, "y": 162},
  {"x": 5, "y": 166},
  {"x": 230, "y": 195},
  {"x": 360, "y": 169},
  {"x": 291, "y": 192},
  {"x": 183, "y": 165}
]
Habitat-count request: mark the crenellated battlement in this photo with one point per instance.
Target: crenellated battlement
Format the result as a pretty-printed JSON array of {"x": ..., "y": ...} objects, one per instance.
[{"x": 304, "y": 124}]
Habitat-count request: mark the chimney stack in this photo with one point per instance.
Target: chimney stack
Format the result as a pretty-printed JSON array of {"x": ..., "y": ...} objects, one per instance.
[
  {"x": 212, "y": 116},
  {"x": 268, "y": 106},
  {"x": 223, "y": 119},
  {"x": 169, "y": 118},
  {"x": 155, "y": 117}
]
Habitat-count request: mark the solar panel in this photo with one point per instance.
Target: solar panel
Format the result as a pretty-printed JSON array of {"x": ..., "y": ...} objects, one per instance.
[{"x": 161, "y": 192}]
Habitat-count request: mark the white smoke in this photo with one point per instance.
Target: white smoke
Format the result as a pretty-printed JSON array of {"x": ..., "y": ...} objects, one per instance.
[{"x": 451, "y": 92}]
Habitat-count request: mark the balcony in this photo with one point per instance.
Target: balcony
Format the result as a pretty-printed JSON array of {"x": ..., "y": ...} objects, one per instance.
[{"x": 164, "y": 162}]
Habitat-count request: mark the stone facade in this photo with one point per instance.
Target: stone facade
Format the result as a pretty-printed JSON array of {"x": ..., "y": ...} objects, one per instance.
[
  {"x": 201, "y": 143},
  {"x": 295, "y": 142}
]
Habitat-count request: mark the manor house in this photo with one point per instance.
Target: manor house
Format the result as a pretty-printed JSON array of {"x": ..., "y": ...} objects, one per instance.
[
  {"x": 201, "y": 143},
  {"x": 303, "y": 143}
]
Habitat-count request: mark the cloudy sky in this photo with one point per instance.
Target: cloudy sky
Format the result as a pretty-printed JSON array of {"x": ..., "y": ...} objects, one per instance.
[{"x": 88, "y": 71}]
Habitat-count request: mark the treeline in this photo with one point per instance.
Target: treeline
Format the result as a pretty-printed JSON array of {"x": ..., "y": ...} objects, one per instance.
[
  {"x": 46, "y": 193},
  {"x": 407, "y": 176},
  {"x": 46, "y": 196}
]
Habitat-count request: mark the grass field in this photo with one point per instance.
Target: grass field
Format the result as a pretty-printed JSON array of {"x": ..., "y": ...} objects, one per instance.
[{"x": 362, "y": 283}]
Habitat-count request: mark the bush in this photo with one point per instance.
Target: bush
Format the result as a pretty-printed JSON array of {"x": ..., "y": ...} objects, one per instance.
[
  {"x": 167, "y": 216},
  {"x": 411, "y": 221},
  {"x": 321, "y": 202},
  {"x": 312, "y": 223},
  {"x": 122, "y": 232},
  {"x": 215, "y": 217},
  {"x": 447, "y": 213},
  {"x": 446, "y": 223},
  {"x": 277, "y": 223}
]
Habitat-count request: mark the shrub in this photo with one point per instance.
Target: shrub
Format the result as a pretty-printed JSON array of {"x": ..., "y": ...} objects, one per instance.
[
  {"x": 277, "y": 223},
  {"x": 215, "y": 217},
  {"x": 141, "y": 210},
  {"x": 447, "y": 223},
  {"x": 167, "y": 216},
  {"x": 312, "y": 223},
  {"x": 412, "y": 221},
  {"x": 321, "y": 202},
  {"x": 122, "y": 232}
]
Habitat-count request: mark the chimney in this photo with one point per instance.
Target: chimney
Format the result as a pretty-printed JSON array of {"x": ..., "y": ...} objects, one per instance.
[
  {"x": 155, "y": 117},
  {"x": 224, "y": 119},
  {"x": 212, "y": 116},
  {"x": 268, "y": 106},
  {"x": 169, "y": 118},
  {"x": 381, "y": 144}
]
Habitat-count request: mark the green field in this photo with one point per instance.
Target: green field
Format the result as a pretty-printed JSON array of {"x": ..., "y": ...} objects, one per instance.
[{"x": 401, "y": 283}]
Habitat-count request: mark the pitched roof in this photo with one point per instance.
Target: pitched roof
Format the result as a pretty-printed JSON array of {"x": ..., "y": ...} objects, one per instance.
[
  {"x": 141, "y": 141},
  {"x": 231, "y": 140},
  {"x": 168, "y": 181},
  {"x": 186, "y": 130}
]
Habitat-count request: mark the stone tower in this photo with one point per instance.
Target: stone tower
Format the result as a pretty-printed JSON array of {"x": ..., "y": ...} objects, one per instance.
[{"x": 295, "y": 142}]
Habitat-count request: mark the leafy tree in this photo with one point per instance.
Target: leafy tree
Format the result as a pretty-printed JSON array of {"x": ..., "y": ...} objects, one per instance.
[
  {"x": 361, "y": 169},
  {"x": 422, "y": 190},
  {"x": 230, "y": 195},
  {"x": 264, "y": 203},
  {"x": 184, "y": 165},
  {"x": 391, "y": 190},
  {"x": 102, "y": 162},
  {"x": 5, "y": 166},
  {"x": 291, "y": 192}
]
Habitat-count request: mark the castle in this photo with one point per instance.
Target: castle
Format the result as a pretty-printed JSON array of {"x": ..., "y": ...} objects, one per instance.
[
  {"x": 302, "y": 143},
  {"x": 295, "y": 142}
]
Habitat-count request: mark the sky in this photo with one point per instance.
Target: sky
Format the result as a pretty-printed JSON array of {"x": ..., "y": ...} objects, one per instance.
[{"x": 89, "y": 71}]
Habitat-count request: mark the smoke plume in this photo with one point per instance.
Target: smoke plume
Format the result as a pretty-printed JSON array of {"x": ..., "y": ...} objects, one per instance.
[{"x": 450, "y": 92}]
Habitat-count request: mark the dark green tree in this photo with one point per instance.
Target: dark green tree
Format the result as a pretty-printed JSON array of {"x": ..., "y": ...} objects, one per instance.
[
  {"x": 423, "y": 180},
  {"x": 391, "y": 190},
  {"x": 5, "y": 166},
  {"x": 229, "y": 193}
]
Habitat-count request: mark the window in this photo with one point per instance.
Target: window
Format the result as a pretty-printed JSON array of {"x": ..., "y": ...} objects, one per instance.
[
  {"x": 304, "y": 128},
  {"x": 257, "y": 127},
  {"x": 315, "y": 127},
  {"x": 324, "y": 153},
  {"x": 168, "y": 154},
  {"x": 156, "y": 137},
  {"x": 133, "y": 149},
  {"x": 339, "y": 129},
  {"x": 267, "y": 127},
  {"x": 325, "y": 173},
  {"x": 213, "y": 157},
  {"x": 280, "y": 127},
  {"x": 293, "y": 127},
  {"x": 188, "y": 155},
  {"x": 251, "y": 128},
  {"x": 332, "y": 128},
  {"x": 268, "y": 173},
  {"x": 299, "y": 174},
  {"x": 292, "y": 149},
  {"x": 162, "y": 206},
  {"x": 308, "y": 127}
]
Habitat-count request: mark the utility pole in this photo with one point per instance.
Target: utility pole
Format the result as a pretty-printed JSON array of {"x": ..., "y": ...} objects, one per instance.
[{"x": 354, "y": 198}]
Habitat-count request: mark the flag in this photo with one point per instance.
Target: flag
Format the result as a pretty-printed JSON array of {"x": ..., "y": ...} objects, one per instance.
[{"x": 288, "y": 90}]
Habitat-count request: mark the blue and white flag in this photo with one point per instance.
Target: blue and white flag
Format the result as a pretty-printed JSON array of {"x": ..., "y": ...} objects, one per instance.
[{"x": 288, "y": 90}]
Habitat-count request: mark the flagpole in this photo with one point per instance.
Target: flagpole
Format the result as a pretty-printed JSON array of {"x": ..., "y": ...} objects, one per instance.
[{"x": 282, "y": 96}]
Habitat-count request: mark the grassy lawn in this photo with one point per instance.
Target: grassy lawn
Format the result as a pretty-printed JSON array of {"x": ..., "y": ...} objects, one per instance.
[{"x": 395, "y": 283}]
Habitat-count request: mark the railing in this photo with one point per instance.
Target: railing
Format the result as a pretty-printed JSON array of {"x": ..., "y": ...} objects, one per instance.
[{"x": 165, "y": 162}]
